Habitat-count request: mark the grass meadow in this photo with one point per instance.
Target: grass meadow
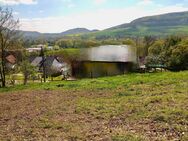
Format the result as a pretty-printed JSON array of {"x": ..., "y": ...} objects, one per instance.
[{"x": 131, "y": 107}]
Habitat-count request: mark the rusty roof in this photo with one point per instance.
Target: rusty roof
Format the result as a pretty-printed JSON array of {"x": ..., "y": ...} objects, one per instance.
[{"x": 11, "y": 59}]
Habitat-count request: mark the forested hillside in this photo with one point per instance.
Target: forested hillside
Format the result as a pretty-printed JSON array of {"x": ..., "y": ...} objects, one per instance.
[{"x": 160, "y": 25}]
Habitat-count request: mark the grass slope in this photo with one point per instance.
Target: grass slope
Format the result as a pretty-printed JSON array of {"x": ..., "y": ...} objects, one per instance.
[{"x": 131, "y": 107}]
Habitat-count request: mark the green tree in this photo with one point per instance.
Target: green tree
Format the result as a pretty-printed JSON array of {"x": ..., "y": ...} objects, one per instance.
[
  {"x": 43, "y": 55},
  {"x": 172, "y": 41},
  {"x": 129, "y": 42},
  {"x": 154, "y": 53},
  {"x": 27, "y": 68},
  {"x": 148, "y": 41},
  {"x": 169, "y": 46},
  {"x": 172, "y": 52},
  {"x": 156, "y": 48},
  {"x": 8, "y": 37},
  {"x": 178, "y": 59},
  {"x": 56, "y": 47},
  {"x": 111, "y": 42},
  {"x": 65, "y": 43}
]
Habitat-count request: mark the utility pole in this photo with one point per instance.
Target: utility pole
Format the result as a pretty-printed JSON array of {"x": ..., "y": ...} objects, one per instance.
[{"x": 43, "y": 63}]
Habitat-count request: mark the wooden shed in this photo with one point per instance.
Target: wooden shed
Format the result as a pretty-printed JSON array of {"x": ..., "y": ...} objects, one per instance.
[{"x": 105, "y": 61}]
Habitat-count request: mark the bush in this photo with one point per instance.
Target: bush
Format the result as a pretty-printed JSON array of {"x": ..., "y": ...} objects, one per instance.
[{"x": 173, "y": 53}]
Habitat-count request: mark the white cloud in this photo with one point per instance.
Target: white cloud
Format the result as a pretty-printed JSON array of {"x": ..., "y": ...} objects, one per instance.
[
  {"x": 67, "y": 0},
  {"x": 41, "y": 11},
  {"x": 173, "y": 8},
  {"x": 145, "y": 2},
  {"x": 16, "y": 2},
  {"x": 100, "y": 19},
  {"x": 71, "y": 5},
  {"x": 99, "y": 2}
]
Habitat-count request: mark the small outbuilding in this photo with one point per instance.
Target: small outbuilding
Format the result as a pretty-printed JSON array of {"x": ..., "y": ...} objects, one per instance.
[{"x": 105, "y": 60}]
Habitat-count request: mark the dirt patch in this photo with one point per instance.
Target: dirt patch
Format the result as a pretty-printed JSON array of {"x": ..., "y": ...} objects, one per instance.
[{"x": 52, "y": 115}]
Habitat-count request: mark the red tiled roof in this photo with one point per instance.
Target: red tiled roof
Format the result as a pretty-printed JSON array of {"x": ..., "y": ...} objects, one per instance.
[{"x": 11, "y": 59}]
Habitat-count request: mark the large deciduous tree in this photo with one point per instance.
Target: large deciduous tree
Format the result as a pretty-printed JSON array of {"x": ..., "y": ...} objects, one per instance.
[
  {"x": 171, "y": 52},
  {"x": 8, "y": 37}
]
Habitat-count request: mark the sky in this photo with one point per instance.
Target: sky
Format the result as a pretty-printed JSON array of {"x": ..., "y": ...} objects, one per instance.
[{"x": 55, "y": 16}]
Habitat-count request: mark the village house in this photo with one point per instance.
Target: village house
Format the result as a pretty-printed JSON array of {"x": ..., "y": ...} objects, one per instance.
[
  {"x": 52, "y": 65},
  {"x": 37, "y": 48},
  {"x": 33, "y": 50}
]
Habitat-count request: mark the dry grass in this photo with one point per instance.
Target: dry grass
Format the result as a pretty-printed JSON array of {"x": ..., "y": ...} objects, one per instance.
[{"x": 145, "y": 110}]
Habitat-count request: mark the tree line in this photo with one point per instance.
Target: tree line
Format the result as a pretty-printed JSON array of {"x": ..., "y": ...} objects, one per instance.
[{"x": 171, "y": 52}]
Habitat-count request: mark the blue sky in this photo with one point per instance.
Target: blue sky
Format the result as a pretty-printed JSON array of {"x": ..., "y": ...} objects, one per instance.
[{"x": 59, "y": 15}]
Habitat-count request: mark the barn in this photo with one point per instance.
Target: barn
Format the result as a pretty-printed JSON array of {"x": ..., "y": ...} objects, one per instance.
[{"x": 105, "y": 60}]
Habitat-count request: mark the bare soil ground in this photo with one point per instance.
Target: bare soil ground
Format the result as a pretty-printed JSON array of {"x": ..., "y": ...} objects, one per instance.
[{"x": 139, "y": 113}]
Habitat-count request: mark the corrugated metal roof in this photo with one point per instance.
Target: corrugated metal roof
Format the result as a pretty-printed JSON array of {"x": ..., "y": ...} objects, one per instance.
[
  {"x": 36, "y": 61},
  {"x": 112, "y": 53}
]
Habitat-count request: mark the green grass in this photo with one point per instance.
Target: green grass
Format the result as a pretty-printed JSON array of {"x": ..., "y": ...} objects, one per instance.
[
  {"x": 132, "y": 107},
  {"x": 153, "y": 80},
  {"x": 128, "y": 137},
  {"x": 67, "y": 51}
]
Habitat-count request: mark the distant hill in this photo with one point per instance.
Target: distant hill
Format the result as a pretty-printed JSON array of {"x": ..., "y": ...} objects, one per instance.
[
  {"x": 76, "y": 31},
  {"x": 159, "y": 25},
  {"x": 171, "y": 19},
  {"x": 35, "y": 35}
]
